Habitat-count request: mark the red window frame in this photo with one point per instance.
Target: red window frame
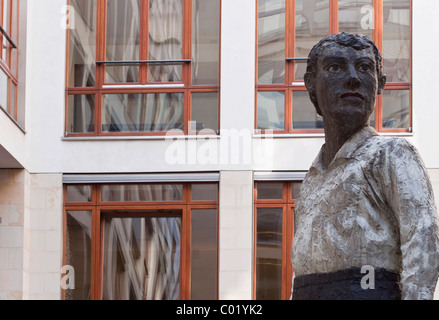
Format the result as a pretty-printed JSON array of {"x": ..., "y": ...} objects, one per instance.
[
  {"x": 287, "y": 204},
  {"x": 288, "y": 87},
  {"x": 97, "y": 207},
  {"x": 11, "y": 40},
  {"x": 99, "y": 89}
]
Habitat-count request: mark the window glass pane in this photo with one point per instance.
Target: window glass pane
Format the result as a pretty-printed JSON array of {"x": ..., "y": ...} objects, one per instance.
[
  {"x": 205, "y": 42},
  {"x": 295, "y": 189},
  {"x": 79, "y": 193},
  {"x": 5, "y": 25},
  {"x": 81, "y": 114},
  {"x": 372, "y": 120},
  {"x": 356, "y": 17},
  {"x": 165, "y": 39},
  {"x": 271, "y": 41},
  {"x": 270, "y": 190},
  {"x": 82, "y": 47},
  {"x": 205, "y": 110},
  {"x": 14, "y": 34},
  {"x": 204, "y": 254},
  {"x": 271, "y": 111},
  {"x": 4, "y": 90},
  {"x": 312, "y": 24},
  {"x": 12, "y": 102},
  {"x": 5, "y": 18},
  {"x": 6, "y": 51},
  {"x": 141, "y": 192},
  {"x": 304, "y": 113},
  {"x": 123, "y": 40},
  {"x": 204, "y": 192},
  {"x": 78, "y": 253},
  {"x": 142, "y": 112},
  {"x": 396, "y": 40},
  {"x": 142, "y": 257},
  {"x": 396, "y": 109},
  {"x": 269, "y": 254}
]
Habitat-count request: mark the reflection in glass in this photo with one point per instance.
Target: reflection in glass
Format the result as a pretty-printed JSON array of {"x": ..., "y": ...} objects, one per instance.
[
  {"x": 204, "y": 254},
  {"x": 204, "y": 192},
  {"x": 271, "y": 41},
  {"x": 5, "y": 23},
  {"x": 396, "y": 109},
  {"x": 356, "y": 17},
  {"x": 396, "y": 40},
  {"x": 305, "y": 116},
  {"x": 204, "y": 110},
  {"x": 12, "y": 102},
  {"x": 312, "y": 24},
  {"x": 14, "y": 35},
  {"x": 141, "y": 192},
  {"x": 155, "y": 112},
  {"x": 4, "y": 90},
  {"x": 269, "y": 254},
  {"x": 270, "y": 190},
  {"x": 205, "y": 42},
  {"x": 271, "y": 111},
  {"x": 81, "y": 114},
  {"x": 78, "y": 253},
  {"x": 295, "y": 189},
  {"x": 79, "y": 193},
  {"x": 123, "y": 40},
  {"x": 165, "y": 39},
  {"x": 142, "y": 257},
  {"x": 82, "y": 47}
]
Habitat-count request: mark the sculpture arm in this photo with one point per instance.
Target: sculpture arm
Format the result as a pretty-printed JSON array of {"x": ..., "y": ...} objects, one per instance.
[{"x": 409, "y": 193}]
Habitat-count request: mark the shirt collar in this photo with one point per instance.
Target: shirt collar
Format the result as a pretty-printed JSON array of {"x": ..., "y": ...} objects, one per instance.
[{"x": 348, "y": 149}]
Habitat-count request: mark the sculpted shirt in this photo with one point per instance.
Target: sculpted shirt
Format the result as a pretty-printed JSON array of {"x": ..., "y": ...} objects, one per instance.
[{"x": 373, "y": 206}]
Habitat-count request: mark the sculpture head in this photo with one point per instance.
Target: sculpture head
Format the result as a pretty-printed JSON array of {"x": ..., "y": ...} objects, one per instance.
[{"x": 343, "y": 77}]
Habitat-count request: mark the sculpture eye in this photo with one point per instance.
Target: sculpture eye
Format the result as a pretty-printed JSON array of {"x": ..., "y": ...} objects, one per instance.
[
  {"x": 334, "y": 68},
  {"x": 365, "y": 67}
]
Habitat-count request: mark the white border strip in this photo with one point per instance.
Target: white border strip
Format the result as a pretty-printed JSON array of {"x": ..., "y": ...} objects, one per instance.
[
  {"x": 279, "y": 176},
  {"x": 140, "y": 178}
]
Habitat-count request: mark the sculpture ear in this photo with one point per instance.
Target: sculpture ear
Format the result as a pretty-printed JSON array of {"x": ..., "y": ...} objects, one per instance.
[{"x": 381, "y": 83}]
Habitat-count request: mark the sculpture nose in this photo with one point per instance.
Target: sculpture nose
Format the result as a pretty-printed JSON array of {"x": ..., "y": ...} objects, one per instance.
[{"x": 352, "y": 79}]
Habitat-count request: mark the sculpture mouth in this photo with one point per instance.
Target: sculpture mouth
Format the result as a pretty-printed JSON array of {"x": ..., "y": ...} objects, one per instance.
[{"x": 353, "y": 96}]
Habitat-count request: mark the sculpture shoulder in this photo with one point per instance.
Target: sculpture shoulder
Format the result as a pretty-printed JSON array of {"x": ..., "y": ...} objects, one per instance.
[{"x": 392, "y": 148}]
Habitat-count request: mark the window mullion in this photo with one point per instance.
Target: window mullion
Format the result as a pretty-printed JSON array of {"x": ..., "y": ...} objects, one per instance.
[
  {"x": 333, "y": 16},
  {"x": 144, "y": 36},
  {"x": 187, "y": 41}
]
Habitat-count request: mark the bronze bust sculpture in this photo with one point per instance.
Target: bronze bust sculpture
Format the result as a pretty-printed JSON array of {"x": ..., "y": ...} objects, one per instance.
[{"x": 367, "y": 200}]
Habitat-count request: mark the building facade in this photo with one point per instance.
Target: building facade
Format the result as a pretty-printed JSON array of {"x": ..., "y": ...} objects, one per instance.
[{"x": 153, "y": 149}]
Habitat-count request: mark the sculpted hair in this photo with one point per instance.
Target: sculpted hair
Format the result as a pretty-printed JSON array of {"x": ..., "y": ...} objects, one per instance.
[{"x": 356, "y": 41}]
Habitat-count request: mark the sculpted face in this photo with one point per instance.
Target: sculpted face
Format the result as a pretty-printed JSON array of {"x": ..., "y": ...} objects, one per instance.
[{"x": 346, "y": 85}]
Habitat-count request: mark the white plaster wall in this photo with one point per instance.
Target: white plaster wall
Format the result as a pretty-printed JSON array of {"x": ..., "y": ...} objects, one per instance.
[
  {"x": 12, "y": 138},
  {"x": 425, "y": 79}
]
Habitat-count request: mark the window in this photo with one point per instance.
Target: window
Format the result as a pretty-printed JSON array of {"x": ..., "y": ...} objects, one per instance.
[
  {"x": 274, "y": 229},
  {"x": 288, "y": 29},
  {"x": 9, "y": 58},
  {"x": 143, "y": 67},
  {"x": 142, "y": 241}
]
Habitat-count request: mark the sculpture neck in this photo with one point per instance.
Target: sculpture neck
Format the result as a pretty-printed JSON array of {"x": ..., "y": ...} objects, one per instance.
[{"x": 335, "y": 137}]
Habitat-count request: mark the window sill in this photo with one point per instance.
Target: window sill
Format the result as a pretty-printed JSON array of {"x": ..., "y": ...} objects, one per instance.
[
  {"x": 141, "y": 138},
  {"x": 322, "y": 135}
]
